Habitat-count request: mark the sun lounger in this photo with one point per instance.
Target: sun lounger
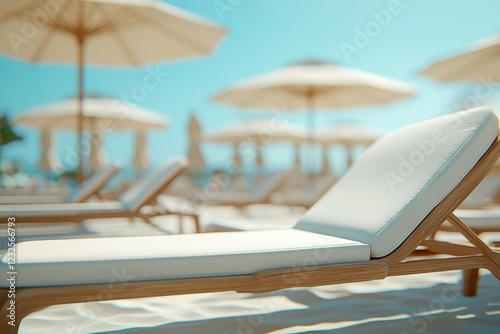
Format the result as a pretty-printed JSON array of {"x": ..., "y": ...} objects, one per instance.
[
  {"x": 138, "y": 201},
  {"x": 364, "y": 228},
  {"x": 259, "y": 193},
  {"x": 89, "y": 188},
  {"x": 308, "y": 194}
]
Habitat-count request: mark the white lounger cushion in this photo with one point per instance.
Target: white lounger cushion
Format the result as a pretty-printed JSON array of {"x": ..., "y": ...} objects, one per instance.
[
  {"x": 401, "y": 178},
  {"x": 86, "y": 261}
]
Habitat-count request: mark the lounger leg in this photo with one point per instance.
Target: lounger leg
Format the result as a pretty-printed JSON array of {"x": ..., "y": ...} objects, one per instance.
[
  {"x": 470, "y": 282},
  {"x": 197, "y": 226}
]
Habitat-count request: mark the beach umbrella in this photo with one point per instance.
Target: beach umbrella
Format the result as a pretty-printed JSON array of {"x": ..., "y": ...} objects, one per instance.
[
  {"x": 49, "y": 162},
  {"x": 480, "y": 63},
  {"x": 101, "y": 116},
  {"x": 312, "y": 85},
  {"x": 101, "y": 32},
  {"x": 195, "y": 157}
]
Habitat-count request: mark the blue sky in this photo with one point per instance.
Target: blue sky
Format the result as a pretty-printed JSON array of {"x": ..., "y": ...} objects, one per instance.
[{"x": 263, "y": 36}]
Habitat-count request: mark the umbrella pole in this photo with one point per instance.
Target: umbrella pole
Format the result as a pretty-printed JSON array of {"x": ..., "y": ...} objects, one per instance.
[
  {"x": 311, "y": 126},
  {"x": 80, "y": 109}
]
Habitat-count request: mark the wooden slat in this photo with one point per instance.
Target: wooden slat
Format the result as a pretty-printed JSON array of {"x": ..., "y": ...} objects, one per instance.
[{"x": 437, "y": 265}]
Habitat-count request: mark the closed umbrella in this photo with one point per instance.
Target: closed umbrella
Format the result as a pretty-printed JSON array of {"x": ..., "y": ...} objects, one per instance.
[
  {"x": 141, "y": 158},
  {"x": 49, "y": 162},
  {"x": 97, "y": 157},
  {"x": 195, "y": 157},
  {"x": 103, "y": 32},
  {"x": 258, "y": 132}
]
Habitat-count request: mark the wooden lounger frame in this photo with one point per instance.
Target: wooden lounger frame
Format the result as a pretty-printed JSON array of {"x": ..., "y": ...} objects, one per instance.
[
  {"x": 154, "y": 209},
  {"x": 400, "y": 262}
]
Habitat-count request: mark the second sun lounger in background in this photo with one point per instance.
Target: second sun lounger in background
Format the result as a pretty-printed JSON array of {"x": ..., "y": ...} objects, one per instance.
[
  {"x": 89, "y": 188},
  {"x": 258, "y": 193},
  {"x": 139, "y": 201},
  {"x": 364, "y": 228},
  {"x": 307, "y": 195}
]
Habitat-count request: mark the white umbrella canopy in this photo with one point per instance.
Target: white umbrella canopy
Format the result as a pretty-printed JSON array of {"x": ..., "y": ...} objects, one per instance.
[
  {"x": 102, "y": 32},
  {"x": 260, "y": 131},
  {"x": 480, "y": 63},
  {"x": 63, "y": 115},
  {"x": 348, "y": 135},
  {"x": 113, "y": 32},
  {"x": 314, "y": 84}
]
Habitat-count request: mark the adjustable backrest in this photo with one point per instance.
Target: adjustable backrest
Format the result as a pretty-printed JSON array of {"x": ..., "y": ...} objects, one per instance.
[
  {"x": 152, "y": 184},
  {"x": 94, "y": 183},
  {"x": 401, "y": 178}
]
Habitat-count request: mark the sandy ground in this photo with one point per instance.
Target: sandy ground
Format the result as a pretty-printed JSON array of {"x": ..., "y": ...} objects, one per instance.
[{"x": 429, "y": 303}]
